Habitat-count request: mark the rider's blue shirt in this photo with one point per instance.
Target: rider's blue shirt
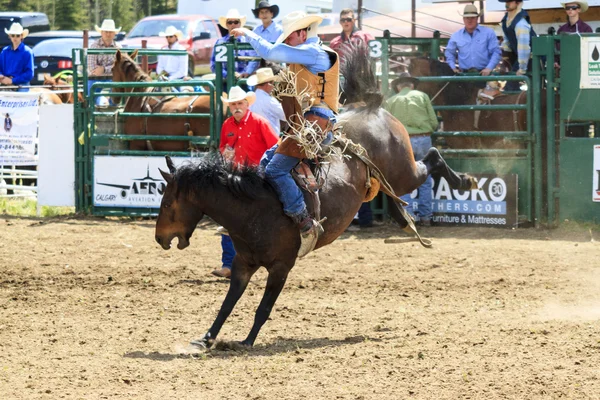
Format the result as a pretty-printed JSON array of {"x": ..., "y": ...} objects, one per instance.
[
  {"x": 17, "y": 64},
  {"x": 479, "y": 50},
  {"x": 310, "y": 53}
]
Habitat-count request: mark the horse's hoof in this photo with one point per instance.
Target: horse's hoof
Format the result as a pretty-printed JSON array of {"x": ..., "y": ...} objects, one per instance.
[{"x": 204, "y": 343}]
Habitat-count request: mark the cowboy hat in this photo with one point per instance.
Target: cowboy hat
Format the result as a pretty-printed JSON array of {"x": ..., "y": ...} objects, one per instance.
[
  {"x": 232, "y": 14},
  {"x": 265, "y": 4},
  {"x": 403, "y": 77},
  {"x": 17, "y": 29},
  {"x": 263, "y": 75},
  {"x": 236, "y": 93},
  {"x": 171, "y": 31},
  {"x": 582, "y": 3},
  {"x": 108, "y": 25},
  {"x": 470, "y": 11},
  {"x": 299, "y": 20}
]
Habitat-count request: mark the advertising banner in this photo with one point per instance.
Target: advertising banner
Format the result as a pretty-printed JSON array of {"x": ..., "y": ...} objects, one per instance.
[
  {"x": 130, "y": 181},
  {"x": 20, "y": 115},
  {"x": 590, "y": 63},
  {"x": 596, "y": 179},
  {"x": 494, "y": 203}
]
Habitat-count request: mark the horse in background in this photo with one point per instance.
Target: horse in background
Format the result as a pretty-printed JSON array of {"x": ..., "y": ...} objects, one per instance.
[
  {"x": 465, "y": 93},
  {"x": 245, "y": 204},
  {"x": 58, "y": 83},
  {"x": 47, "y": 96},
  {"x": 125, "y": 69}
]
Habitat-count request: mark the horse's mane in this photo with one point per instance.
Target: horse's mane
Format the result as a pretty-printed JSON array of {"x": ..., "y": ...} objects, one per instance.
[
  {"x": 213, "y": 171},
  {"x": 126, "y": 64},
  {"x": 360, "y": 83}
]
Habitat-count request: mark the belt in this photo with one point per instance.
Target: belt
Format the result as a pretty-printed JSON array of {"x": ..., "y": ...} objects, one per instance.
[{"x": 419, "y": 134}]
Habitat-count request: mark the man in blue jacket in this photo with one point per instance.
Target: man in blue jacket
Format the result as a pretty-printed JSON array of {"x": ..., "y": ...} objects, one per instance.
[{"x": 16, "y": 60}]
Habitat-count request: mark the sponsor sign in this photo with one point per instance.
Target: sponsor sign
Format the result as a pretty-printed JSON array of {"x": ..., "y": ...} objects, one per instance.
[
  {"x": 493, "y": 203},
  {"x": 18, "y": 135},
  {"x": 590, "y": 63},
  {"x": 130, "y": 181},
  {"x": 596, "y": 179}
]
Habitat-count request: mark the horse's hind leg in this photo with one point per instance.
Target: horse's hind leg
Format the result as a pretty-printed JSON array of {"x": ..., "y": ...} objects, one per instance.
[
  {"x": 277, "y": 276},
  {"x": 240, "y": 276},
  {"x": 436, "y": 165}
]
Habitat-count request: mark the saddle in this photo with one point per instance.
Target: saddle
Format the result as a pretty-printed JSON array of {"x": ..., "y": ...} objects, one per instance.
[{"x": 485, "y": 96}]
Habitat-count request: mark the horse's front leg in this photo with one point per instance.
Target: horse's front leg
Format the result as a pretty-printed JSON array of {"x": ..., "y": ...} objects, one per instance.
[
  {"x": 275, "y": 282},
  {"x": 240, "y": 276}
]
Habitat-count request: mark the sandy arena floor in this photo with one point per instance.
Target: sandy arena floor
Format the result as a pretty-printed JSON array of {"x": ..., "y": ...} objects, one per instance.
[{"x": 94, "y": 309}]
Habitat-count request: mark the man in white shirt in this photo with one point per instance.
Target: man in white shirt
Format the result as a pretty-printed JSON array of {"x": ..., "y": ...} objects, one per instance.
[
  {"x": 266, "y": 105},
  {"x": 172, "y": 67}
]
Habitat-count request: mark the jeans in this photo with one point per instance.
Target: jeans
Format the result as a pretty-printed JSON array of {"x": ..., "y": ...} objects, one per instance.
[
  {"x": 365, "y": 215},
  {"x": 515, "y": 86},
  {"x": 228, "y": 251},
  {"x": 98, "y": 90},
  {"x": 278, "y": 167},
  {"x": 422, "y": 204}
]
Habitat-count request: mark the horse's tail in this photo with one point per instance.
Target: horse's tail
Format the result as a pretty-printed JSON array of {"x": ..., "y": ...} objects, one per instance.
[{"x": 360, "y": 83}]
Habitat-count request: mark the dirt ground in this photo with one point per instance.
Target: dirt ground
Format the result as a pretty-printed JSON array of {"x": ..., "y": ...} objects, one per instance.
[{"x": 94, "y": 309}]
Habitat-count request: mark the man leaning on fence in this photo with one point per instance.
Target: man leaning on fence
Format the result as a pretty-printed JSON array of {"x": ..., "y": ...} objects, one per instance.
[
  {"x": 16, "y": 59},
  {"x": 172, "y": 67},
  {"x": 100, "y": 65},
  {"x": 413, "y": 108},
  {"x": 477, "y": 46}
]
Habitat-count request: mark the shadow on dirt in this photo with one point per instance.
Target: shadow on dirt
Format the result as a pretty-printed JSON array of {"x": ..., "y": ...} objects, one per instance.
[{"x": 223, "y": 350}]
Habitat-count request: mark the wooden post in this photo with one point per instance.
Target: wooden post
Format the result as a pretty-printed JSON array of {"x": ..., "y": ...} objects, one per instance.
[
  {"x": 144, "y": 57},
  {"x": 86, "y": 38},
  {"x": 413, "y": 18},
  {"x": 359, "y": 11}
]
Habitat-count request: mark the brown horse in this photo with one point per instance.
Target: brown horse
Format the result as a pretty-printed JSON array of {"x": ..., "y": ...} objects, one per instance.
[
  {"x": 126, "y": 70},
  {"x": 64, "y": 87},
  {"x": 465, "y": 93},
  {"x": 248, "y": 207},
  {"x": 47, "y": 96}
]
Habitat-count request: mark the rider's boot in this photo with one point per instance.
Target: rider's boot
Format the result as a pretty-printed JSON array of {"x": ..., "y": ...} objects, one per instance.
[{"x": 310, "y": 231}]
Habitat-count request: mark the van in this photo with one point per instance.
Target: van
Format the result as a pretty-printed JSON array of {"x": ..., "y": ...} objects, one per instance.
[{"x": 34, "y": 21}]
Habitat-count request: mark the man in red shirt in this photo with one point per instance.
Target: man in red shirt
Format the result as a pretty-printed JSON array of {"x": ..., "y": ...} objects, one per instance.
[
  {"x": 245, "y": 137},
  {"x": 350, "y": 34}
]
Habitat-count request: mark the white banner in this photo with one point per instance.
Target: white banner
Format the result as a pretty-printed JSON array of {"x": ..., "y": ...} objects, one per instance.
[
  {"x": 130, "y": 181},
  {"x": 596, "y": 179},
  {"x": 20, "y": 115},
  {"x": 590, "y": 63}
]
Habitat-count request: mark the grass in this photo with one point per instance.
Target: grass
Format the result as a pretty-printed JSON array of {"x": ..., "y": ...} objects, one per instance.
[{"x": 27, "y": 207}]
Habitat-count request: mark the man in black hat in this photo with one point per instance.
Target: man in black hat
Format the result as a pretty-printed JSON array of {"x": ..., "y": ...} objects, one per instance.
[
  {"x": 269, "y": 30},
  {"x": 518, "y": 32},
  {"x": 413, "y": 108}
]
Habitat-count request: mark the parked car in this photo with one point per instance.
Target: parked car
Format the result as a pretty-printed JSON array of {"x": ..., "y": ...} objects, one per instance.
[
  {"x": 200, "y": 33},
  {"x": 34, "y": 21},
  {"x": 53, "y": 56}
]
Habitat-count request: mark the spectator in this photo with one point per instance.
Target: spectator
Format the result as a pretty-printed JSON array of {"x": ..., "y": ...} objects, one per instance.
[
  {"x": 16, "y": 59},
  {"x": 574, "y": 23},
  {"x": 517, "y": 39},
  {"x": 172, "y": 67},
  {"x": 245, "y": 137},
  {"x": 233, "y": 20},
  {"x": 266, "y": 105},
  {"x": 269, "y": 30},
  {"x": 316, "y": 71},
  {"x": 477, "y": 46},
  {"x": 413, "y": 108},
  {"x": 100, "y": 65},
  {"x": 350, "y": 34}
]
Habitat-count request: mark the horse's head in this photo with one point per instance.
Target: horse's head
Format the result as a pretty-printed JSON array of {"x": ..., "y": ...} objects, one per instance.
[
  {"x": 50, "y": 81},
  {"x": 125, "y": 69},
  {"x": 177, "y": 217}
]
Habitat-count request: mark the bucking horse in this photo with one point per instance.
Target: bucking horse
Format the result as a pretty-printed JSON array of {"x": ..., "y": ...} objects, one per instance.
[{"x": 243, "y": 202}]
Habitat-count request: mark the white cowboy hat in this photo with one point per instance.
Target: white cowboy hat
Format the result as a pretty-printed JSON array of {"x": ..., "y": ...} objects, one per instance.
[
  {"x": 262, "y": 75},
  {"x": 582, "y": 3},
  {"x": 299, "y": 20},
  {"x": 470, "y": 11},
  {"x": 236, "y": 93},
  {"x": 108, "y": 25},
  {"x": 17, "y": 29},
  {"x": 232, "y": 14},
  {"x": 208, "y": 77},
  {"x": 171, "y": 31}
]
